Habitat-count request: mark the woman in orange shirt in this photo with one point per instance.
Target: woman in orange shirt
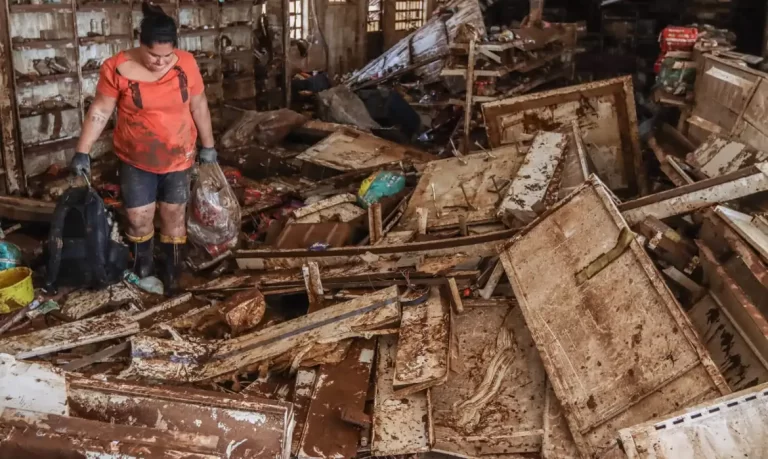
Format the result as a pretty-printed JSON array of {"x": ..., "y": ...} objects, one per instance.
[{"x": 161, "y": 111}]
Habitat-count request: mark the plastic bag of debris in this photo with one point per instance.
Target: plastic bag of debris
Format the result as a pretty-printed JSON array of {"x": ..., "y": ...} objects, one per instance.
[
  {"x": 379, "y": 185},
  {"x": 266, "y": 128},
  {"x": 213, "y": 217}
]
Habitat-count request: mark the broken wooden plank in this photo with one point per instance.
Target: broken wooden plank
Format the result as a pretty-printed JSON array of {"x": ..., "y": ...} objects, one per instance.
[
  {"x": 478, "y": 245},
  {"x": 302, "y": 214},
  {"x": 494, "y": 401},
  {"x": 26, "y": 209},
  {"x": 49, "y": 434},
  {"x": 730, "y": 426},
  {"x": 80, "y": 303},
  {"x": 615, "y": 351},
  {"x": 493, "y": 281},
  {"x": 728, "y": 345},
  {"x": 698, "y": 195},
  {"x": 302, "y": 396},
  {"x": 338, "y": 387},
  {"x": 747, "y": 228},
  {"x": 401, "y": 424},
  {"x": 314, "y": 285},
  {"x": 67, "y": 336},
  {"x": 525, "y": 197},
  {"x": 440, "y": 192},
  {"x": 96, "y": 357},
  {"x": 456, "y": 300},
  {"x": 243, "y": 311},
  {"x": 607, "y": 122},
  {"x": 164, "y": 359},
  {"x": 423, "y": 345}
]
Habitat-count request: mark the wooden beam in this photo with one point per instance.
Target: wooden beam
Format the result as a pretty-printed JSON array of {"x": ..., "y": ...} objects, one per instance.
[
  {"x": 458, "y": 304},
  {"x": 470, "y": 89},
  {"x": 686, "y": 199},
  {"x": 9, "y": 140}
]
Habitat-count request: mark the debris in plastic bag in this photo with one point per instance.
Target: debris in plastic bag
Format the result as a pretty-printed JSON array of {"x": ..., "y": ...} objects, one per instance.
[
  {"x": 213, "y": 219},
  {"x": 42, "y": 308},
  {"x": 266, "y": 128},
  {"x": 379, "y": 185},
  {"x": 10, "y": 255}
]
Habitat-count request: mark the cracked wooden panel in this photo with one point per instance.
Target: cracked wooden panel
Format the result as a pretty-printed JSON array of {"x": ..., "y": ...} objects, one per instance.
[
  {"x": 617, "y": 347},
  {"x": 423, "y": 345},
  {"x": 494, "y": 401}
]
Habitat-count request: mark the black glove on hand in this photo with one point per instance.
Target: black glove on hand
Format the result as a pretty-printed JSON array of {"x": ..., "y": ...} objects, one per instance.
[
  {"x": 81, "y": 164},
  {"x": 208, "y": 155}
]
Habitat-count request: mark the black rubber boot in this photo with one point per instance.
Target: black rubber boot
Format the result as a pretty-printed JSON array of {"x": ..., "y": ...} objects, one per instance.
[
  {"x": 172, "y": 260},
  {"x": 143, "y": 258}
]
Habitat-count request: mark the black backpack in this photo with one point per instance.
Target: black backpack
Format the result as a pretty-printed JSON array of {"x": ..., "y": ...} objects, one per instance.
[{"x": 79, "y": 242}]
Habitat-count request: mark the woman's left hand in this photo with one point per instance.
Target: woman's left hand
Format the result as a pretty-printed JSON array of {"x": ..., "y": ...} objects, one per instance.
[{"x": 208, "y": 155}]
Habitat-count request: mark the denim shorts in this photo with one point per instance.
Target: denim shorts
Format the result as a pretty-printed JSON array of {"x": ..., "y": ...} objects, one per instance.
[{"x": 140, "y": 188}]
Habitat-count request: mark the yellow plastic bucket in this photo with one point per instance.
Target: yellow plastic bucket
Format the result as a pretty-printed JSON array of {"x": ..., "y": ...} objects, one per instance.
[{"x": 16, "y": 289}]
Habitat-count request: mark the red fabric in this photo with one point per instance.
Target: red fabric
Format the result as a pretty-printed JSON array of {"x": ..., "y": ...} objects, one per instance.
[{"x": 155, "y": 131}]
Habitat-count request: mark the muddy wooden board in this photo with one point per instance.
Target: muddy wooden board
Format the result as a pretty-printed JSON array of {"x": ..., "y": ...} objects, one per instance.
[
  {"x": 730, "y": 348},
  {"x": 604, "y": 111},
  {"x": 688, "y": 198},
  {"x": 338, "y": 388},
  {"x": 616, "y": 346},
  {"x": 494, "y": 401},
  {"x": 348, "y": 150},
  {"x": 302, "y": 396},
  {"x": 72, "y": 334},
  {"x": 466, "y": 186},
  {"x": 423, "y": 345},
  {"x": 731, "y": 426},
  {"x": 526, "y": 196},
  {"x": 401, "y": 424},
  {"x": 748, "y": 227}
]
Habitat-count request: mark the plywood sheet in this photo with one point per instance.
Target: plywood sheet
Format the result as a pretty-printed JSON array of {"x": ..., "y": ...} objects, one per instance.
[
  {"x": 719, "y": 155},
  {"x": 349, "y": 150},
  {"x": 731, "y": 426},
  {"x": 747, "y": 228},
  {"x": 440, "y": 188},
  {"x": 605, "y": 114},
  {"x": 616, "y": 345},
  {"x": 401, "y": 424},
  {"x": 494, "y": 401}
]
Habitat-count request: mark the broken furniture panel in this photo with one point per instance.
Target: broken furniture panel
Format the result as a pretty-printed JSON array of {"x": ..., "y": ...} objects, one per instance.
[
  {"x": 729, "y": 347},
  {"x": 616, "y": 346},
  {"x": 605, "y": 113},
  {"x": 302, "y": 396},
  {"x": 349, "y": 150},
  {"x": 33, "y": 434},
  {"x": 339, "y": 208},
  {"x": 743, "y": 312},
  {"x": 401, "y": 424},
  {"x": 184, "y": 361},
  {"x": 754, "y": 229},
  {"x": 338, "y": 388},
  {"x": 719, "y": 155},
  {"x": 723, "y": 91},
  {"x": 686, "y": 199},
  {"x": 730, "y": 426},
  {"x": 468, "y": 187},
  {"x": 494, "y": 401},
  {"x": 526, "y": 196},
  {"x": 423, "y": 345},
  {"x": 69, "y": 335}
]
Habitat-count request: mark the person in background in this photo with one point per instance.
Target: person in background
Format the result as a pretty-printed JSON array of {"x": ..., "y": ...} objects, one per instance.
[{"x": 161, "y": 111}]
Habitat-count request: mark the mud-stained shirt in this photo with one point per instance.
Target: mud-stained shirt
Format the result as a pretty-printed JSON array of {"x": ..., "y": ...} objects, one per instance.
[{"x": 155, "y": 131}]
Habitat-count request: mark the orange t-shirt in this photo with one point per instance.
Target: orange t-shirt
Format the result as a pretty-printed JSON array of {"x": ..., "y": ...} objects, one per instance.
[{"x": 155, "y": 131}]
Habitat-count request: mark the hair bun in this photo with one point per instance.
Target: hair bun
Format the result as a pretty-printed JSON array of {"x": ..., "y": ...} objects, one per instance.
[{"x": 149, "y": 9}]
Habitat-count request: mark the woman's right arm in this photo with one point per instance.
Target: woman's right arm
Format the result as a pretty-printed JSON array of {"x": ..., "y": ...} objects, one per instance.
[{"x": 93, "y": 125}]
